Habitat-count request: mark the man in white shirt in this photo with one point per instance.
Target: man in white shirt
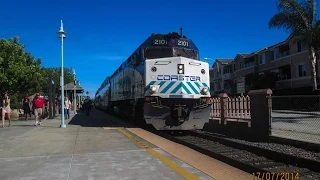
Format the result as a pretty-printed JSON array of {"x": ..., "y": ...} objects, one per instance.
[{"x": 67, "y": 106}]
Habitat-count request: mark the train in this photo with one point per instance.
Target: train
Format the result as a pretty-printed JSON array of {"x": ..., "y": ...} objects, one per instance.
[{"x": 162, "y": 84}]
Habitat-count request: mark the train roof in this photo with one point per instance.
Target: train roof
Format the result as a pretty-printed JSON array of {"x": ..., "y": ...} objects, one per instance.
[
  {"x": 103, "y": 84},
  {"x": 147, "y": 42}
]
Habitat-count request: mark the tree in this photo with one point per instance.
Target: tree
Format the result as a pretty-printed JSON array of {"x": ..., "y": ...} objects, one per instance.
[
  {"x": 20, "y": 72},
  {"x": 54, "y": 74},
  {"x": 300, "y": 19}
]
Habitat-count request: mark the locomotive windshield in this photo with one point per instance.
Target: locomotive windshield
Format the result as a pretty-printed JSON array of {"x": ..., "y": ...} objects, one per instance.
[{"x": 162, "y": 52}]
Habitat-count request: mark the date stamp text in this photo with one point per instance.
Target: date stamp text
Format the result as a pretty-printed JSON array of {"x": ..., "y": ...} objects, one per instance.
[{"x": 276, "y": 176}]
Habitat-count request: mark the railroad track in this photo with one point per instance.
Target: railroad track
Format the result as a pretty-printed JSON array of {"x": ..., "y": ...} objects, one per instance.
[{"x": 249, "y": 157}]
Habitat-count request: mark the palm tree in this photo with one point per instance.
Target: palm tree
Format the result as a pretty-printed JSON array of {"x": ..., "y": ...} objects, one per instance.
[{"x": 300, "y": 18}]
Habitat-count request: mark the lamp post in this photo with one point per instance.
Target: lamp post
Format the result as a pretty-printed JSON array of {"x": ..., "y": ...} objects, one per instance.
[{"x": 62, "y": 36}]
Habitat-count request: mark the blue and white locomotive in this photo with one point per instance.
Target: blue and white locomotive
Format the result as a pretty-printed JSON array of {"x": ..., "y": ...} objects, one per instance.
[{"x": 163, "y": 83}]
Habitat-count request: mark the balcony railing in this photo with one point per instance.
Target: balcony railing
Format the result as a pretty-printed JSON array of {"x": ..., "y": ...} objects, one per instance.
[
  {"x": 282, "y": 54},
  {"x": 249, "y": 64}
]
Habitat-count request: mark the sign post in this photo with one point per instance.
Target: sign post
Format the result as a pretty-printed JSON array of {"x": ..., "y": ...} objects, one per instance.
[{"x": 241, "y": 85}]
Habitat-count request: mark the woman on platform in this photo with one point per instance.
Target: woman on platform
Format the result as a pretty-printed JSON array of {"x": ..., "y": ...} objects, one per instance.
[
  {"x": 26, "y": 108},
  {"x": 6, "y": 109}
]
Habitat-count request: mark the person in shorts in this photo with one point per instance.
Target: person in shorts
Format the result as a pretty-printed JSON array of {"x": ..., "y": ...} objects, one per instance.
[
  {"x": 5, "y": 108},
  {"x": 38, "y": 104}
]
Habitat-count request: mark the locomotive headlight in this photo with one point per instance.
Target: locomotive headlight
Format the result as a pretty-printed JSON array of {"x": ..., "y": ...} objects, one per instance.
[
  {"x": 153, "y": 89},
  {"x": 180, "y": 68},
  {"x": 204, "y": 90}
]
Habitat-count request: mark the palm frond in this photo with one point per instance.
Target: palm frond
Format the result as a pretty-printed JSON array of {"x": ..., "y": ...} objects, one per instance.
[
  {"x": 311, "y": 7},
  {"x": 300, "y": 9},
  {"x": 288, "y": 21}
]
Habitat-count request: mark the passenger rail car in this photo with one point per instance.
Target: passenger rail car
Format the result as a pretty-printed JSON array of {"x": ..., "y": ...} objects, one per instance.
[{"x": 163, "y": 84}]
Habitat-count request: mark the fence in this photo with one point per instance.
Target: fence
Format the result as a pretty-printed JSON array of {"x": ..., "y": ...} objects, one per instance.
[
  {"x": 226, "y": 109},
  {"x": 296, "y": 117}
]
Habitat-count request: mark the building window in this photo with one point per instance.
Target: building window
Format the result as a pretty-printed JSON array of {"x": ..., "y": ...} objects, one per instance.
[
  {"x": 262, "y": 58},
  {"x": 302, "y": 70},
  {"x": 272, "y": 55},
  {"x": 249, "y": 64},
  {"x": 226, "y": 70},
  {"x": 300, "y": 46},
  {"x": 275, "y": 54},
  {"x": 241, "y": 65}
]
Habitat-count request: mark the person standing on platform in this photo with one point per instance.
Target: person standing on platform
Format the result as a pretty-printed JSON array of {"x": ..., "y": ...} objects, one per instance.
[
  {"x": 67, "y": 105},
  {"x": 26, "y": 107},
  {"x": 5, "y": 109},
  {"x": 38, "y": 104},
  {"x": 1, "y": 112},
  {"x": 87, "y": 105}
]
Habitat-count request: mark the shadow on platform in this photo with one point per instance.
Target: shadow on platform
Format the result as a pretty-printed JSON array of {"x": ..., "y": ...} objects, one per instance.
[
  {"x": 98, "y": 119},
  {"x": 24, "y": 125}
]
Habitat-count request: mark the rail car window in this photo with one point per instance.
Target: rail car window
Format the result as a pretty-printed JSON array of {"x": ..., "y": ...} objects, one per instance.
[{"x": 151, "y": 53}]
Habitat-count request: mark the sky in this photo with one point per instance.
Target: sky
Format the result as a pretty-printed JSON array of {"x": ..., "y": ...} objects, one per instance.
[{"x": 102, "y": 34}]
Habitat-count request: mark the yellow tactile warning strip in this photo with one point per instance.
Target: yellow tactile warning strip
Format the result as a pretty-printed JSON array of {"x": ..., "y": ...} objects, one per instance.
[
  {"x": 212, "y": 167},
  {"x": 111, "y": 128},
  {"x": 161, "y": 157}
]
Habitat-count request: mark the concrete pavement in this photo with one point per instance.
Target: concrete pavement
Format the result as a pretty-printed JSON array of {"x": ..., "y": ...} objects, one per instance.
[{"x": 83, "y": 150}]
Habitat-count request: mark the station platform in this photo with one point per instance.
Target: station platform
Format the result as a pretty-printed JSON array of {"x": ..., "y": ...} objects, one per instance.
[{"x": 100, "y": 146}]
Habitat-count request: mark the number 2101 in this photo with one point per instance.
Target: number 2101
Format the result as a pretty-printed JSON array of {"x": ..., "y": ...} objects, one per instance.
[
  {"x": 160, "y": 42},
  {"x": 183, "y": 43}
]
